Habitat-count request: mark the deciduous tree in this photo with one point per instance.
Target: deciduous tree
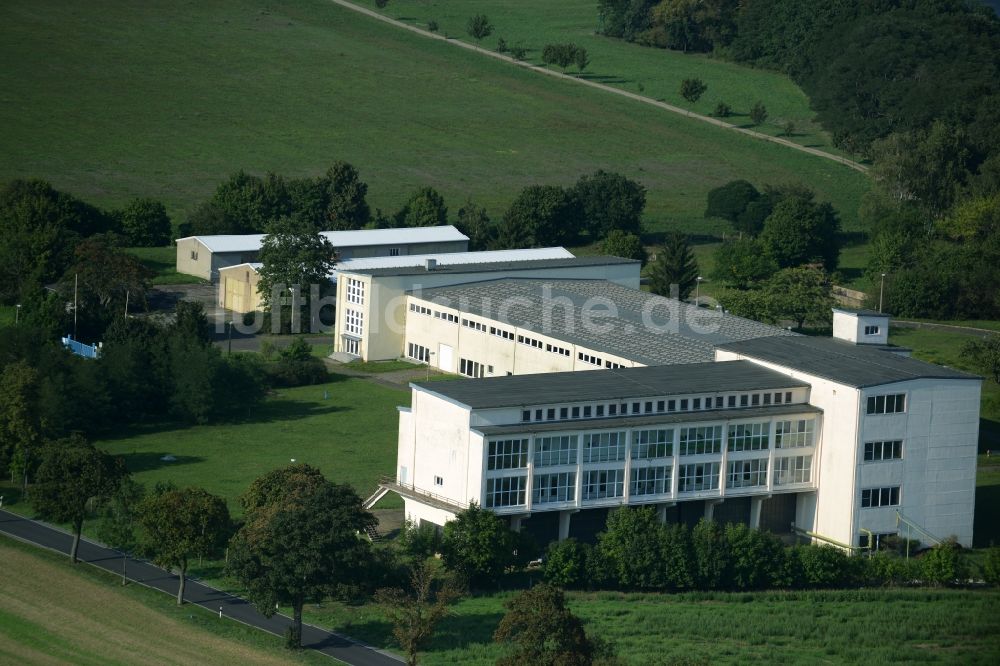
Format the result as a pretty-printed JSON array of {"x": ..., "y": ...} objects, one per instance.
[
  {"x": 300, "y": 545},
  {"x": 294, "y": 256},
  {"x": 72, "y": 473},
  {"x": 610, "y": 201},
  {"x": 478, "y": 545},
  {"x": 479, "y": 27},
  {"x": 20, "y": 423},
  {"x": 541, "y": 215},
  {"x": 425, "y": 208},
  {"x": 181, "y": 524},
  {"x": 743, "y": 263},
  {"x": 145, "y": 223},
  {"x": 985, "y": 354},
  {"x": 475, "y": 223},
  {"x": 758, "y": 113},
  {"x": 415, "y": 613},
  {"x": 345, "y": 194},
  {"x": 693, "y": 89},
  {"x": 800, "y": 231},
  {"x": 621, "y": 244}
]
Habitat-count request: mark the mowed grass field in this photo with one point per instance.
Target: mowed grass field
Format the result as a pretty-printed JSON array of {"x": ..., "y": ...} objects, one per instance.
[
  {"x": 112, "y": 99},
  {"x": 54, "y": 613},
  {"x": 655, "y": 73},
  {"x": 829, "y": 627},
  {"x": 350, "y": 436}
]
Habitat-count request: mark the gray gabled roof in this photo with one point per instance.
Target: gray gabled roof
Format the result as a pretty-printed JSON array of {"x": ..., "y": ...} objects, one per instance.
[
  {"x": 623, "y": 383},
  {"x": 843, "y": 362},
  {"x": 644, "y": 328}
]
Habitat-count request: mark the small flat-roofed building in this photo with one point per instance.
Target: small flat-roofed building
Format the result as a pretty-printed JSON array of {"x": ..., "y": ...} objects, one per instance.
[
  {"x": 204, "y": 256},
  {"x": 372, "y": 309},
  {"x": 237, "y": 290}
]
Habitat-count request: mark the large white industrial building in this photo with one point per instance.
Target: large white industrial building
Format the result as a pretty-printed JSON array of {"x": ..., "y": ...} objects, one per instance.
[{"x": 840, "y": 436}]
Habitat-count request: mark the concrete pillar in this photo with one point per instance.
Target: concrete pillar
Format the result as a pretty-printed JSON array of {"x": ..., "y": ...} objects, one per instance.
[
  {"x": 564, "y": 518},
  {"x": 515, "y": 523},
  {"x": 755, "y": 504},
  {"x": 661, "y": 511},
  {"x": 710, "y": 507}
]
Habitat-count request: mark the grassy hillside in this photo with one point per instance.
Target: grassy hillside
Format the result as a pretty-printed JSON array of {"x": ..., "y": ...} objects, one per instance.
[
  {"x": 54, "y": 613},
  {"x": 115, "y": 99},
  {"x": 656, "y": 73}
]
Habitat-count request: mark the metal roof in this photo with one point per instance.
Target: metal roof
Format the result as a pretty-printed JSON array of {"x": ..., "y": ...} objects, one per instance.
[
  {"x": 454, "y": 258},
  {"x": 340, "y": 239},
  {"x": 650, "y": 419},
  {"x": 843, "y": 362},
  {"x": 495, "y": 266},
  {"x": 620, "y": 384},
  {"x": 603, "y": 316}
]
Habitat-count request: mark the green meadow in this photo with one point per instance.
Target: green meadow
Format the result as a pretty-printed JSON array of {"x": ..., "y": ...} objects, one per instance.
[{"x": 111, "y": 100}]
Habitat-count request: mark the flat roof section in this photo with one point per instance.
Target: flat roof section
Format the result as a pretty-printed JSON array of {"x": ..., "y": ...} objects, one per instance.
[
  {"x": 650, "y": 419},
  {"x": 452, "y": 258},
  {"x": 603, "y": 316},
  {"x": 843, "y": 362},
  {"x": 492, "y": 266},
  {"x": 620, "y": 384},
  {"x": 339, "y": 239}
]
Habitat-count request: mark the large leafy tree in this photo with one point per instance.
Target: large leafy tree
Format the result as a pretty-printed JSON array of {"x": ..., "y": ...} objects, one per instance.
[
  {"x": 145, "y": 223},
  {"x": 20, "y": 422},
  {"x": 475, "y": 223},
  {"x": 800, "y": 231},
  {"x": 674, "y": 265},
  {"x": 181, "y": 524},
  {"x": 478, "y": 545},
  {"x": 621, "y": 244},
  {"x": 302, "y": 544},
  {"x": 610, "y": 201},
  {"x": 425, "y": 208},
  {"x": 730, "y": 200},
  {"x": 39, "y": 227},
  {"x": 103, "y": 279},
  {"x": 415, "y": 613},
  {"x": 294, "y": 256},
  {"x": 71, "y": 473},
  {"x": 630, "y": 544},
  {"x": 541, "y": 215},
  {"x": 743, "y": 263},
  {"x": 540, "y": 630},
  {"x": 346, "y": 207}
]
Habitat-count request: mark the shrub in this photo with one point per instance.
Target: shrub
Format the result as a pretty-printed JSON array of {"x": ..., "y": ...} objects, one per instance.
[
  {"x": 943, "y": 564},
  {"x": 419, "y": 542},
  {"x": 889, "y": 569},
  {"x": 711, "y": 555},
  {"x": 432, "y": 25},
  {"x": 502, "y": 45},
  {"x": 825, "y": 566},
  {"x": 675, "y": 553},
  {"x": 566, "y": 563},
  {"x": 518, "y": 52},
  {"x": 755, "y": 557},
  {"x": 722, "y": 110},
  {"x": 296, "y": 366},
  {"x": 758, "y": 114},
  {"x": 991, "y": 566}
]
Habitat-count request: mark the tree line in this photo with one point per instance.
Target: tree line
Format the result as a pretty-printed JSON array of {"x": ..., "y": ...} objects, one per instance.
[{"x": 913, "y": 87}]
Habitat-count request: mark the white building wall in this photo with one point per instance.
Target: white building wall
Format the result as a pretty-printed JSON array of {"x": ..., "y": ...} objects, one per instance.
[
  {"x": 850, "y": 326},
  {"x": 418, "y": 512},
  {"x": 441, "y": 448}
]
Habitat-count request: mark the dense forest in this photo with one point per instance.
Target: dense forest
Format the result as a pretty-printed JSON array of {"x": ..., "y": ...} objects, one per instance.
[{"x": 913, "y": 86}]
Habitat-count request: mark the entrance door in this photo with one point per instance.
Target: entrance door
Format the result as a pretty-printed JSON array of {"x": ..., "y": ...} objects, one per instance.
[
  {"x": 352, "y": 346},
  {"x": 234, "y": 295},
  {"x": 446, "y": 361}
]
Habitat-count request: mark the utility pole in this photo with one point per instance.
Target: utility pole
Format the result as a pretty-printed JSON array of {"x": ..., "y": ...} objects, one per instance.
[
  {"x": 229, "y": 325},
  {"x": 126, "y": 303},
  {"x": 76, "y": 285},
  {"x": 881, "y": 291}
]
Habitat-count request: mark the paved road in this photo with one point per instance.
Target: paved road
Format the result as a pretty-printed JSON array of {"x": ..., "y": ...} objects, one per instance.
[
  {"x": 606, "y": 88},
  {"x": 314, "y": 638}
]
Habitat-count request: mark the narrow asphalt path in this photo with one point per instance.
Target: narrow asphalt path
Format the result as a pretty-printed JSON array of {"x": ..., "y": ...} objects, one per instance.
[
  {"x": 606, "y": 88},
  {"x": 234, "y": 608}
]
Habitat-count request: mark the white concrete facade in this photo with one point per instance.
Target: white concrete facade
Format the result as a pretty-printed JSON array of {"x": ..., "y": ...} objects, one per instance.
[
  {"x": 862, "y": 327},
  {"x": 380, "y": 301}
]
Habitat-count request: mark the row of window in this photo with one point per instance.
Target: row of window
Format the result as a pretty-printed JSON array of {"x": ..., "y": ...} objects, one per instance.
[
  {"x": 875, "y": 497},
  {"x": 610, "y": 445},
  {"x": 652, "y": 480},
  {"x": 474, "y": 325},
  {"x": 501, "y": 333},
  {"x": 355, "y": 291},
  {"x": 437, "y": 314},
  {"x": 531, "y": 342},
  {"x": 471, "y": 368},
  {"x": 353, "y": 322},
  {"x": 418, "y": 352},
  {"x": 562, "y": 351},
  {"x": 883, "y": 450},
  {"x": 598, "y": 361},
  {"x": 658, "y": 406},
  {"x": 894, "y": 403}
]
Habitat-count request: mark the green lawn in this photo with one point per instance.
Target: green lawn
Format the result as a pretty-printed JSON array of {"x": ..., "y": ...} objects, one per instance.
[
  {"x": 655, "y": 73},
  {"x": 350, "y": 435},
  {"x": 8, "y": 315},
  {"x": 54, "y": 612},
  {"x": 846, "y": 626},
  {"x": 162, "y": 261},
  {"x": 377, "y": 367},
  {"x": 168, "y": 103}
]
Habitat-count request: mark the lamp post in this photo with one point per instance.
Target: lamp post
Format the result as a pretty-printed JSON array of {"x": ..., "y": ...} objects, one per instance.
[
  {"x": 881, "y": 292},
  {"x": 229, "y": 325},
  {"x": 17, "y": 313},
  {"x": 697, "y": 291}
]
